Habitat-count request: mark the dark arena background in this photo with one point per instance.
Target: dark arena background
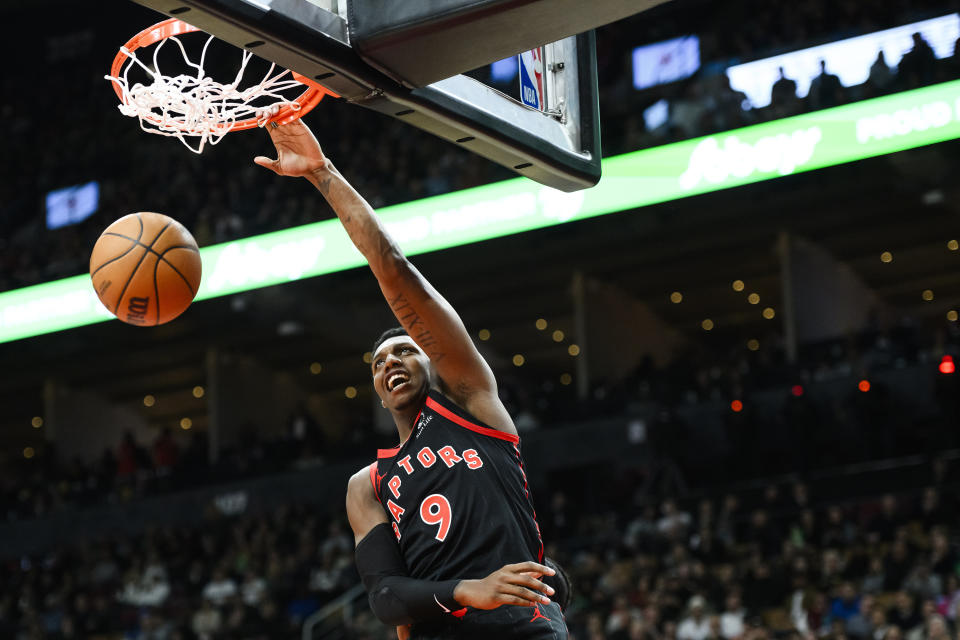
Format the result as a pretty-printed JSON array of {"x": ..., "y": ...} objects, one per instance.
[{"x": 732, "y": 362}]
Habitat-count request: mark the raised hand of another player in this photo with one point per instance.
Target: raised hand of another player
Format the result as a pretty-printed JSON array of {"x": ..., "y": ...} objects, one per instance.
[
  {"x": 515, "y": 584},
  {"x": 298, "y": 152}
]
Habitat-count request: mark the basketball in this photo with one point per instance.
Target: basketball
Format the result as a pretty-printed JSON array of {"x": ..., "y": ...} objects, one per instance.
[{"x": 145, "y": 268}]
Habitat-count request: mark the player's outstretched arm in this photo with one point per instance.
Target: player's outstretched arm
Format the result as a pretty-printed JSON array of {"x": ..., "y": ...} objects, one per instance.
[
  {"x": 398, "y": 599},
  {"x": 424, "y": 313}
]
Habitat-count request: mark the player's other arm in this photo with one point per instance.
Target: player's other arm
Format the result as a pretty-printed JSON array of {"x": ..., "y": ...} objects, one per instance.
[
  {"x": 398, "y": 599},
  {"x": 429, "y": 319}
]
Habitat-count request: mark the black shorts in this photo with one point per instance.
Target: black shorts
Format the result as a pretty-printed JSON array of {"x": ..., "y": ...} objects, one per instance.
[{"x": 503, "y": 623}]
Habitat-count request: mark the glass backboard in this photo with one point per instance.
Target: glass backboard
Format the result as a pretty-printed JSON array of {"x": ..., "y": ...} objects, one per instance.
[{"x": 558, "y": 146}]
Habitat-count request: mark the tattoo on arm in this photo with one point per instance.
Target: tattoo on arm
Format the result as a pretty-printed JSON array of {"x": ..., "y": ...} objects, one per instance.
[
  {"x": 324, "y": 186},
  {"x": 372, "y": 240},
  {"x": 386, "y": 245},
  {"x": 414, "y": 325},
  {"x": 322, "y": 179}
]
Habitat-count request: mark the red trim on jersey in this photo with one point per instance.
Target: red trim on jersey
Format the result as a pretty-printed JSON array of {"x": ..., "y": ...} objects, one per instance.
[
  {"x": 389, "y": 453},
  {"x": 463, "y": 422},
  {"x": 375, "y": 481},
  {"x": 526, "y": 490}
]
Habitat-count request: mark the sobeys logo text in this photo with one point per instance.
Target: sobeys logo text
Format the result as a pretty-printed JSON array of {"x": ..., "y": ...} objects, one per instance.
[{"x": 714, "y": 162}]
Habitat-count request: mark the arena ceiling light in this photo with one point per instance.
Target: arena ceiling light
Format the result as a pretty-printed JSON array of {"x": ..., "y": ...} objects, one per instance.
[{"x": 743, "y": 156}]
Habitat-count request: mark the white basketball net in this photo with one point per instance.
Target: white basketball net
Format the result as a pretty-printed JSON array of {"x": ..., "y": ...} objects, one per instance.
[{"x": 194, "y": 106}]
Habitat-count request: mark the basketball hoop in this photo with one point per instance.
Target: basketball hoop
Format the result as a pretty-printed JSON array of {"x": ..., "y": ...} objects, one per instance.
[{"x": 196, "y": 106}]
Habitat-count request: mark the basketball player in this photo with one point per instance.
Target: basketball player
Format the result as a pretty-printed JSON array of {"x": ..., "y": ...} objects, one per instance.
[{"x": 444, "y": 524}]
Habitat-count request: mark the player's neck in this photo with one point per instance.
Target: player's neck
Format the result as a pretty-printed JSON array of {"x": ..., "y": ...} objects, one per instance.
[
  {"x": 404, "y": 420},
  {"x": 406, "y": 417}
]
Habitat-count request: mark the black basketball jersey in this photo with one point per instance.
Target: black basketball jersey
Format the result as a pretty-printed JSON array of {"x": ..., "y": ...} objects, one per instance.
[{"x": 456, "y": 494}]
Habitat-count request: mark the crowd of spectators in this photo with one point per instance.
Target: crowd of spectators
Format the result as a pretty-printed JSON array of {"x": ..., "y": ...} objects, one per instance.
[
  {"x": 758, "y": 563},
  {"x": 133, "y": 469},
  {"x": 243, "y": 577},
  {"x": 780, "y": 564}
]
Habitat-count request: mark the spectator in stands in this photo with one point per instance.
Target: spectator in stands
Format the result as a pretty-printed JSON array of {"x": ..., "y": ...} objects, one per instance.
[
  {"x": 732, "y": 618},
  {"x": 800, "y": 494},
  {"x": 762, "y": 589},
  {"x": 923, "y": 584},
  {"x": 874, "y": 580},
  {"x": 674, "y": 523},
  {"x": 917, "y": 65},
  {"x": 937, "y": 629},
  {"x": 951, "y": 66},
  {"x": 847, "y": 603},
  {"x": 325, "y": 579},
  {"x": 254, "y": 588},
  {"x": 783, "y": 94},
  {"x": 881, "y": 76},
  {"x": 127, "y": 458},
  {"x": 696, "y": 625},
  {"x": 928, "y": 611},
  {"x": 837, "y": 532},
  {"x": 618, "y": 620},
  {"x": 893, "y": 633},
  {"x": 558, "y": 518},
  {"x": 948, "y": 602},
  {"x": 641, "y": 531},
  {"x": 904, "y": 614},
  {"x": 220, "y": 588},
  {"x": 885, "y": 523},
  {"x": 878, "y": 621},
  {"x": 638, "y": 631},
  {"x": 897, "y": 567},
  {"x": 860, "y": 624},
  {"x": 763, "y": 533},
  {"x": 165, "y": 453},
  {"x": 826, "y": 89},
  {"x": 727, "y": 521},
  {"x": 207, "y": 621}
]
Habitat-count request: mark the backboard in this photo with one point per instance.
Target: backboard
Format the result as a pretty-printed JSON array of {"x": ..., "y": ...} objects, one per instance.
[{"x": 405, "y": 60}]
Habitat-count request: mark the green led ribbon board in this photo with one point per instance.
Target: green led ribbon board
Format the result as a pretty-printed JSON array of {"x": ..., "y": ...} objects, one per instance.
[{"x": 742, "y": 156}]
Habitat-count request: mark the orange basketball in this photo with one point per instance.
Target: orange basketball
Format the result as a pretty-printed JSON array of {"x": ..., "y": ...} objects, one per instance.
[{"x": 146, "y": 268}]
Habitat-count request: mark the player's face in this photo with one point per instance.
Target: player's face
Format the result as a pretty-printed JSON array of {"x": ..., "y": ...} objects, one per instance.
[{"x": 401, "y": 373}]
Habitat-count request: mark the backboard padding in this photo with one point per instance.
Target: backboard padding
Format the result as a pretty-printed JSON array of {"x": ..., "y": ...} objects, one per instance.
[{"x": 392, "y": 35}]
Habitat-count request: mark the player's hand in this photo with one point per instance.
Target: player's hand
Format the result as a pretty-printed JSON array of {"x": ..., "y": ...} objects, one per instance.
[
  {"x": 515, "y": 584},
  {"x": 298, "y": 152}
]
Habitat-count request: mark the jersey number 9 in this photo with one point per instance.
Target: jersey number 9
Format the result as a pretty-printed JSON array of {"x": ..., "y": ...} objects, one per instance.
[{"x": 435, "y": 510}]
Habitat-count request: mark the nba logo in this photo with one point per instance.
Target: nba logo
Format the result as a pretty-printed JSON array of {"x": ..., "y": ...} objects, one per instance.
[{"x": 531, "y": 78}]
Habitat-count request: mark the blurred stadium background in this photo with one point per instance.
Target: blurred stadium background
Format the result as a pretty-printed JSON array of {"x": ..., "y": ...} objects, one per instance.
[{"x": 739, "y": 408}]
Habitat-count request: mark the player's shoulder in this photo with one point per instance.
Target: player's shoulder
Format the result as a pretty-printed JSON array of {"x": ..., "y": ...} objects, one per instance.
[
  {"x": 363, "y": 508},
  {"x": 483, "y": 413},
  {"x": 360, "y": 481}
]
